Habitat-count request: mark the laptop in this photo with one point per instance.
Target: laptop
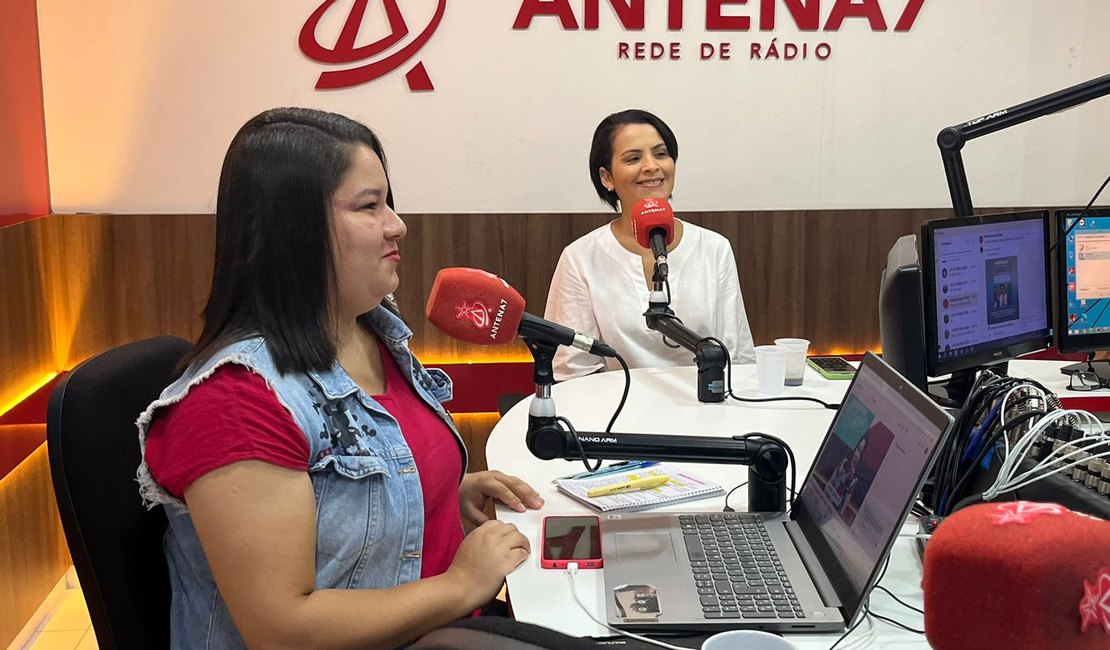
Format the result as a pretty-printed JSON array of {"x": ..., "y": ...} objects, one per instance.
[{"x": 806, "y": 571}]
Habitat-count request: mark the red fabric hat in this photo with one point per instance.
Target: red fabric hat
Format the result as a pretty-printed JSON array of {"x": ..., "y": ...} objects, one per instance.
[{"x": 1018, "y": 575}]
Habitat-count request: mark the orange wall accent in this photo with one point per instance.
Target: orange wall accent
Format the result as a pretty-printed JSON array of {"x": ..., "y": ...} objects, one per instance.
[{"x": 25, "y": 190}]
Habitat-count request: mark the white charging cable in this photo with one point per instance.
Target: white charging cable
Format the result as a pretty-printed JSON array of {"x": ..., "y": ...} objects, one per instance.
[{"x": 572, "y": 570}]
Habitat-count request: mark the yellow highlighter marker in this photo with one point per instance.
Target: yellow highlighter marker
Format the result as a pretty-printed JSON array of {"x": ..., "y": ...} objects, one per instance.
[{"x": 645, "y": 483}]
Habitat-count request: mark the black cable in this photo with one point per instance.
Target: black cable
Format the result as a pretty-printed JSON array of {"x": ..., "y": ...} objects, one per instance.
[
  {"x": 581, "y": 451},
  {"x": 727, "y": 508},
  {"x": 900, "y": 601},
  {"x": 624, "y": 395},
  {"x": 1081, "y": 214},
  {"x": 868, "y": 612},
  {"x": 612, "y": 420},
  {"x": 849, "y": 631}
]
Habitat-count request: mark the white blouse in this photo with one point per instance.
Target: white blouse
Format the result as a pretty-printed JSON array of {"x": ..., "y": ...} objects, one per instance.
[{"x": 599, "y": 290}]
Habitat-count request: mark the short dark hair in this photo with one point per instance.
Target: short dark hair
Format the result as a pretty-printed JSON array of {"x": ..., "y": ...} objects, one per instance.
[
  {"x": 601, "y": 150},
  {"x": 274, "y": 265}
]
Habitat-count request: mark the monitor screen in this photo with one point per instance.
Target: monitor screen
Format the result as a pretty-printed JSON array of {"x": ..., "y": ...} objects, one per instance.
[
  {"x": 986, "y": 289},
  {"x": 1083, "y": 269}
]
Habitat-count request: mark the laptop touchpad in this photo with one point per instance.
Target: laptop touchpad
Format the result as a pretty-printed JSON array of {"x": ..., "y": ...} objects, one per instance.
[{"x": 641, "y": 547}]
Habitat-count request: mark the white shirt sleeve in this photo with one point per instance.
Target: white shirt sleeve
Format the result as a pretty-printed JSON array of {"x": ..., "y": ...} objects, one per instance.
[
  {"x": 732, "y": 318},
  {"x": 569, "y": 303}
]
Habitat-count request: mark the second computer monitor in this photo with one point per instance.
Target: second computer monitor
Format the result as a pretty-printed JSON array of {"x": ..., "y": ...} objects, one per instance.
[
  {"x": 986, "y": 289},
  {"x": 1083, "y": 321}
]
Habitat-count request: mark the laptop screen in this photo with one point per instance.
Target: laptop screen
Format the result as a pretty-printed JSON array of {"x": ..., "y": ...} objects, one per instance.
[{"x": 867, "y": 475}]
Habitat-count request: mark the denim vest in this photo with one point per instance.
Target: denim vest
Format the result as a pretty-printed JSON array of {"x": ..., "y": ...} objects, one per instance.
[{"x": 369, "y": 502}]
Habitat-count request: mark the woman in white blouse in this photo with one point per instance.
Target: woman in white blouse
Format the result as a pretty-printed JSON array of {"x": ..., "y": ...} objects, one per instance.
[{"x": 600, "y": 287}]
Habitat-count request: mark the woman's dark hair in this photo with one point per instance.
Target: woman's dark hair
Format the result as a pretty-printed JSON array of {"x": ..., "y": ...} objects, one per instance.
[
  {"x": 274, "y": 266},
  {"x": 601, "y": 150}
]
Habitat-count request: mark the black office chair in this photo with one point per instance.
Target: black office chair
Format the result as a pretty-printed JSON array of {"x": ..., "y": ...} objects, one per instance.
[{"x": 93, "y": 444}]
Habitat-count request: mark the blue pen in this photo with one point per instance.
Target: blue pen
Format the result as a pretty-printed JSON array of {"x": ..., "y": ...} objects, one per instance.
[{"x": 618, "y": 467}]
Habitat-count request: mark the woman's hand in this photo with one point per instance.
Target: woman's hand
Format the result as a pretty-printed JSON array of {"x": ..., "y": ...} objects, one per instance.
[
  {"x": 489, "y": 553},
  {"x": 477, "y": 487}
]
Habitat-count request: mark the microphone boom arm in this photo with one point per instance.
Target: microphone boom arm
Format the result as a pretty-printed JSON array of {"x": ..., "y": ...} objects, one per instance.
[
  {"x": 547, "y": 439},
  {"x": 952, "y": 139},
  {"x": 767, "y": 459},
  {"x": 710, "y": 356}
]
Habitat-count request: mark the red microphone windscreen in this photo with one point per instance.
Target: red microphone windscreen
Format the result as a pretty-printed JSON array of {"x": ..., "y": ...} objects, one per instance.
[
  {"x": 1018, "y": 575},
  {"x": 474, "y": 306},
  {"x": 649, "y": 214}
]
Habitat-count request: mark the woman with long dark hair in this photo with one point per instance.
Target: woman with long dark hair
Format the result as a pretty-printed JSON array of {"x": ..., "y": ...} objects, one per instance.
[{"x": 314, "y": 484}]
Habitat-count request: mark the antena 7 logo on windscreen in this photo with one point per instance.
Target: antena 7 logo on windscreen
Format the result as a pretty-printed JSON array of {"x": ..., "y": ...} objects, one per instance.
[
  {"x": 476, "y": 312},
  {"x": 372, "y": 60}
]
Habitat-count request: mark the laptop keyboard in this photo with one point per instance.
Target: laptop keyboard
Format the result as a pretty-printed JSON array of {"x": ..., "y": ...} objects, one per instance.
[{"x": 737, "y": 572}]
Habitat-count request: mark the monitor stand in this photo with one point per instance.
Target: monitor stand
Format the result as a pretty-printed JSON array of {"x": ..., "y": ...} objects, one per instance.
[
  {"x": 959, "y": 384},
  {"x": 958, "y": 387}
]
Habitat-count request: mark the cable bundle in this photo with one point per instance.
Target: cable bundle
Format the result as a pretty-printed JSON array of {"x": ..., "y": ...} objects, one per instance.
[
  {"x": 997, "y": 409},
  {"x": 1016, "y": 420},
  {"x": 1065, "y": 449}
]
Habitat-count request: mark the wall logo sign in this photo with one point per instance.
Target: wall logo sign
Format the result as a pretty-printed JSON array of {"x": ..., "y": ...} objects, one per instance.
[
  {"x": 724, "y": 17},
  {"x": 368, "y": 62}
]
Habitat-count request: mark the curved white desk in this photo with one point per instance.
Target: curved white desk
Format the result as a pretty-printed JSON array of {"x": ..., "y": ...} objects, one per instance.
[{"x": 664, "y": 401}]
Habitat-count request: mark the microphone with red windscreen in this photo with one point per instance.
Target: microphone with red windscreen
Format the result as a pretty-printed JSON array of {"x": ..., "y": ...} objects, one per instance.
[
  {"x": 653, "y": 227},
  {"x": 1018, "y": 575},
  {"x": 477, "y": 307}
]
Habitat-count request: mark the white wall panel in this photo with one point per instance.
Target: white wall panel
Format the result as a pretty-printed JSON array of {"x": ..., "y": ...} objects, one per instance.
[{"x": 142, "y": 99}]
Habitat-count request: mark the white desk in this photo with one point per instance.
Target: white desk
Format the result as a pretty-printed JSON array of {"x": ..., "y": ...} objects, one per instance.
[{"x": 665, "y": 401}]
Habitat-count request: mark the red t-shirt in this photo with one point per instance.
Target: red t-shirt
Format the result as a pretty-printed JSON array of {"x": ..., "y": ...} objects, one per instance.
[{"x": 233, "y": 416}]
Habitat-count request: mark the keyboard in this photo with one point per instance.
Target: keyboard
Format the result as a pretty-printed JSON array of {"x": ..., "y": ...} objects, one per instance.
[{"x": 736, "y": 570}]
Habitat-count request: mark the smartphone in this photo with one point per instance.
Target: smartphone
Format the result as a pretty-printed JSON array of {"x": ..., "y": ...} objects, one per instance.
[
  {"x": 572, "y": 538},
  {"x": 832, "y": 367}
]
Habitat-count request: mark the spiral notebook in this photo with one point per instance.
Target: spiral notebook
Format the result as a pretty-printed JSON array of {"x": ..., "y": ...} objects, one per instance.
[{"x": 682, "y": 486}]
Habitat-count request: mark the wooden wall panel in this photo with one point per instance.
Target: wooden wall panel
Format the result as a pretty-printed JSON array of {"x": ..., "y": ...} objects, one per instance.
[
  {"x": 98, "y": 281},
  {"x": 121, "y": 278},
  {"x": 26, "y": 350},
  {"x": 814, "y": 275},
  {"x": 33, "y": 554},
  {"x": 809, "y": 274}
]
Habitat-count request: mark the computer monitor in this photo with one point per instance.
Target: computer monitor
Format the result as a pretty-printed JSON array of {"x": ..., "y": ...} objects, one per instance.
[
  {"x": 985, "y": 289},
  {"x": 901, "y": 323},
  {"x": 1083, "y": 288}
]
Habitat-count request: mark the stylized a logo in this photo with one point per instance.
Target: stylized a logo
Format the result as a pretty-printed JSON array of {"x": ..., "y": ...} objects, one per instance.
[
  {"x": 475, "y": 312},
  {"x": 345, "y": 51}
]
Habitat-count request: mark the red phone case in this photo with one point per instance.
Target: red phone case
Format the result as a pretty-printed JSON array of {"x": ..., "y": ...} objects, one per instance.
[{"x": 570, "y": 540}]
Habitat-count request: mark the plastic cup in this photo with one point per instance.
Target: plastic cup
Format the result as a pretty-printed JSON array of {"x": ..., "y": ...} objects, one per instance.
[
  {"x": 795, "y": 360},
  {"x": 746, "y": 640},
  {"x": 770, "y": 368}
]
